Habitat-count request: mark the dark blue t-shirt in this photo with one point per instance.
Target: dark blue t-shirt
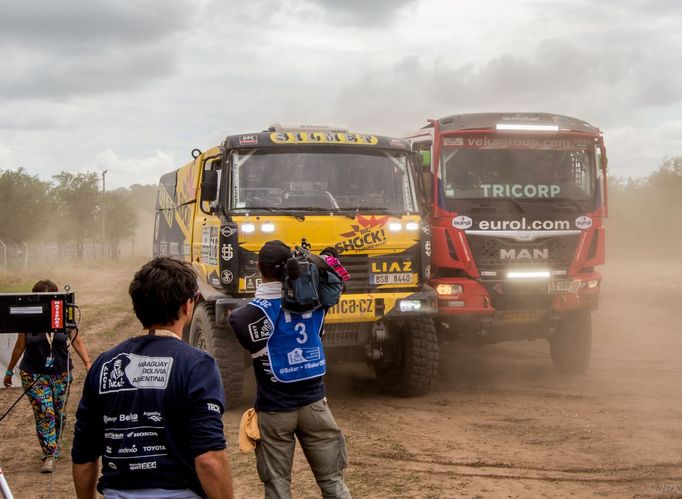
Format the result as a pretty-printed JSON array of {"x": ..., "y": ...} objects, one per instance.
[
  {"x": 149, "y": 407},
  {"x": 253, "y": 328}
]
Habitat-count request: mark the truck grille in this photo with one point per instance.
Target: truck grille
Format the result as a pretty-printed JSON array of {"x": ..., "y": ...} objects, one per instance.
[
  {"x": 495, "y": 253},
  {"x": 358, "y": 268}
]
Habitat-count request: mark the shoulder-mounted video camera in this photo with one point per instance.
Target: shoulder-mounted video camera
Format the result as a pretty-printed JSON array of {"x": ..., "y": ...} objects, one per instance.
[
  {"x": 309, "y": 283},
  {"x": 37, "y": 312}
]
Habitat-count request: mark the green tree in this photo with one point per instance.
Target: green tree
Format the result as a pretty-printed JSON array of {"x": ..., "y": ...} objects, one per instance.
[
  {"x": 120, "y": 219},
  {"x": 24, "y": 205},
  {"x": 78, "y": 202}
]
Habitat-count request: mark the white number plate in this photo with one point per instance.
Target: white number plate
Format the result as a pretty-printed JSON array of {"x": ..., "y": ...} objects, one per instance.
[{"x": 405, "y": 278}]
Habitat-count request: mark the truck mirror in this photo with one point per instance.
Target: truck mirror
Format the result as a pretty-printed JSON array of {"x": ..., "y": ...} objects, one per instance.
[
  {"x": 209, "y": 186},
  {"x": 425, "y": 160}
]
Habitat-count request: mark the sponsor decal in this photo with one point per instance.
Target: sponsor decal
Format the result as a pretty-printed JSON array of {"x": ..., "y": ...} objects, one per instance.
[
  {"x": 215, "y": 281},
  {"x": 112, "y": 435},
  {"x": 141, "y": 434},
  {"x": 112, "y": 465},
  {"x": 153, "y": 415},
  {"x": 583, "y": 222},
  {"x": 128, "y": 450},
  {"x": 301, "y": 355},
  {"x": 163, "y": 248},
  {"x": 262, "y": 303},
  {"x": 150, "y": 465},
  {"x": 108, "y": 449},
  {"x": 209, "y": 245},
  {"x": 227, "y": 231},
  {"x": 252, "y": 282},
  {"x": 524, "y": 254},
  {"x": 368, "y": 233},
  {"x": 245, "y": 140},
  {"x": 212, "y": 407},
  {"x": 129, "y": 371},
  {"x": 524, "y": 224},
  {"x": 153, "y": 448},
  {"x": 498, "y": 142},
  {"x": 453, "y": 141},
  {"x": 396, "y": 142},
  {"x": 227, "y": 252},
  {"x": 520, "y": 191},
  {"x": 57, "y": 310},
  {"x": 226, "y": 276},
  {"x": 322, "y": 138},
  {"x": 427, "y": 248},
  {"x": 362, "y": 306},
  {"x": 174, "y": 248},
  {"x": 427, "y": 271},
  {"x": 389, "y": 266},
  {"x": 110, "y": 419},
  {"x": 166, "y": 205},
  {"x": 462, "y": 222},
  {"x": 498, "y": 287},
  {"x": 260, "y": 330}
]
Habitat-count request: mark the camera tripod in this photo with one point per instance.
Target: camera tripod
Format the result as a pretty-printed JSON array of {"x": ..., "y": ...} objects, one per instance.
[{"x": 4, "y": 487}]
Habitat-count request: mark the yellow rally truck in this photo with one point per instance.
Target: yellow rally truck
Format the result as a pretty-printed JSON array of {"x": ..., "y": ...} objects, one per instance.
[{"x": 314, "y": 187}]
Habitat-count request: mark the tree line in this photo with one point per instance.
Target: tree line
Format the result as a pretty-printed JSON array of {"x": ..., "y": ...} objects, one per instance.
[
  {"x": 70, "y": 212},
  {"x": 645, "y": 214}
]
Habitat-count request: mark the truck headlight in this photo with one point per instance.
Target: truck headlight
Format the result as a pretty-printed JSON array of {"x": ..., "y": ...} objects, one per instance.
[
  {"x": 395, "y": 226},
  {"x": 248, "y": 228},
  {"x": 591, "y": 284},
  {"x": 411, "y": 226},
  {"x": 410, "y": 305},
  {"x": 268, "y": 227},
  {"x": 449, "y": 289}
]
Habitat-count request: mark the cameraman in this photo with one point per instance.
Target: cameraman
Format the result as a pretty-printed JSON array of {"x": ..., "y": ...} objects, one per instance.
[{"x": 294, "y": 405}]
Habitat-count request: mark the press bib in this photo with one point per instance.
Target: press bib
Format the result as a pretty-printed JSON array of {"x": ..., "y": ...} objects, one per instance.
[{"x": 294, "y": 347}]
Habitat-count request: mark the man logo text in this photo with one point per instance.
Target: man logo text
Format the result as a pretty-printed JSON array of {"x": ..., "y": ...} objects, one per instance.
[{"x": 524, "y": 254}]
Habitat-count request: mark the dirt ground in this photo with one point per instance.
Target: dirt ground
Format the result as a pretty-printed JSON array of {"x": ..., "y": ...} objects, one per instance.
[{"x": 499, "y": 423}]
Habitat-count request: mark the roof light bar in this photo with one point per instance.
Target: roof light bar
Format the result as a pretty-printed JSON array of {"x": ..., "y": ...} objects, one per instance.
[
  {"x": 538, "y": 274},
  {"x": 527, "y": 128}
]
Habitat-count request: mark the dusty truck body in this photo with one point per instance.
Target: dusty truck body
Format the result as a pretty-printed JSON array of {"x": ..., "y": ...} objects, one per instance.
[
  {"x": 311, "y": 187},
  {"x": 518, "y": 202}
]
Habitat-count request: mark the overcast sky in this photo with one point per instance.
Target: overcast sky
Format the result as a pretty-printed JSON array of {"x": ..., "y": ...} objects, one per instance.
[{"x": 133, "y": 87}]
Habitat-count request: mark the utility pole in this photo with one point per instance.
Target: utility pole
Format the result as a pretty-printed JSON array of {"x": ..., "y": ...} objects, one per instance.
[{"x": 104, "y": 212}]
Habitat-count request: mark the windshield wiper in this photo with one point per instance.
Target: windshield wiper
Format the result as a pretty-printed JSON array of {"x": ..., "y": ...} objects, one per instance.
[{"x": 297, "y": 216}]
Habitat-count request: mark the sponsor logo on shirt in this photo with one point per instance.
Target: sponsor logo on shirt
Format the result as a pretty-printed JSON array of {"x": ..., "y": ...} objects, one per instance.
[
  {"x": 128, "y": 371},
  {"x": 153, "y": 415},
  {"x": 260, "y": 330},
  {"x": 149, "y": 465},
  {"x": 112, "y": 435},
  {"x": 212, "y": 407}
]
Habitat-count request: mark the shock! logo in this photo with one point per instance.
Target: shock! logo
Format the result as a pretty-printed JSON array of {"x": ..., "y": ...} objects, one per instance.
[{"x": 367, "y": 234}]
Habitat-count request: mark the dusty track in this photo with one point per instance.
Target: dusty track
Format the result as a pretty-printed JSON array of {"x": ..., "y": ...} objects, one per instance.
[{"x": 500, "y": 422}]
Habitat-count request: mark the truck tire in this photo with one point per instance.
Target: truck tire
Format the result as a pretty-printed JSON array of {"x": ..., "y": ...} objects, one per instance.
[
  {"x": 571, "y": 344},
  {"x": 222, "y": 344},
  {"x": 414, "y": 345}
]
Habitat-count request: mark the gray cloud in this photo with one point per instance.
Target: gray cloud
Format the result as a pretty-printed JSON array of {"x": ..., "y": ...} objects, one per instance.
[{"x": 362, "y": 13}]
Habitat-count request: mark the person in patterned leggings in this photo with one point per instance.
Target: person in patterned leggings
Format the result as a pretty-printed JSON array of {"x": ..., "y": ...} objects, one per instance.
[{"x": 46, "y": 376}]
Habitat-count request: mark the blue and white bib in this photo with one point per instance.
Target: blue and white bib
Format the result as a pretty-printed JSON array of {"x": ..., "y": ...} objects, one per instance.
[{"x": 294, "y": 347}]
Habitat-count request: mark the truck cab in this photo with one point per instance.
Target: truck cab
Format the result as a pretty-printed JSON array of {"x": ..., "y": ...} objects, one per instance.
[
  {"x": 315, "y": 187},
  {"x": 517, "y": 207}
]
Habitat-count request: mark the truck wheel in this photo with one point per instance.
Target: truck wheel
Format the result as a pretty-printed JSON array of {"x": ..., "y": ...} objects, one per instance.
[
  {"x": 222, "y": 343},
  {"x": 411, "y": 358},
  {"x": 571, "y": 344}
]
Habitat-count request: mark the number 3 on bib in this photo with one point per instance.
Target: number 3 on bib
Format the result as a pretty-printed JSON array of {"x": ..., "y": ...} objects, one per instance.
[{"x": 303, "y": 336}]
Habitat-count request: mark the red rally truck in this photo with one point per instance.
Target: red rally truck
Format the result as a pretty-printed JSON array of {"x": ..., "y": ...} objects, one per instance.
[{"x": 518, "y": 203}]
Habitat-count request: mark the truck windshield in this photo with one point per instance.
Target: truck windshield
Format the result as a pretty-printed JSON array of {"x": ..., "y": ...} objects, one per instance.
[
  {"x": 489, "y": 167},
  {"x": 321, "y": 179}
]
